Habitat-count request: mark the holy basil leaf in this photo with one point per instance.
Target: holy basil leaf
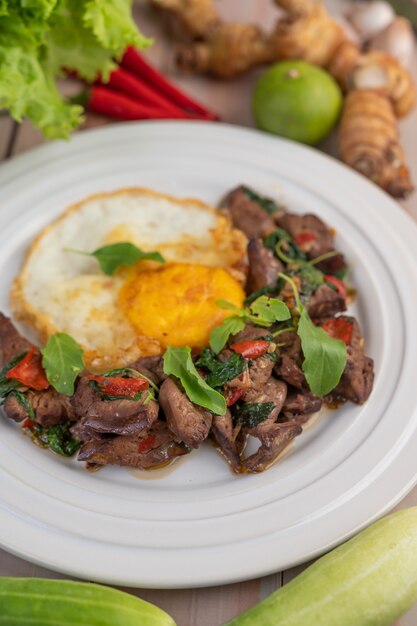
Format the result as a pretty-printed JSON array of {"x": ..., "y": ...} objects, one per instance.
[
  {"x": 220, "y": 371},
  {"x": 178, "y": 363},
  {"x": 112, "y": 256},
  {"x": 62, "y": 359},
  {"x": 220, "y": 335},
  {"x": 269, "y": 310},
  {"x": 324, "y": 357},
  {"x": 311, "y": 279},
  {"x": 252, "y": 414},
  {"x": 57, "y": 438}
]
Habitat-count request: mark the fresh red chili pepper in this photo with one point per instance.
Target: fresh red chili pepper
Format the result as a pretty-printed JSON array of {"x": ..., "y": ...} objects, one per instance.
[
  {"x": 147, "y": 444},
  {"x": 304, "y": 237},
  {"x": 28, "y": 423},
  {"x": 137, "y": 64},
  {"x": 234, "y": 395},
  {"x": 115, "y": 104},
  {"x": 119, "y": 386},
  {"x": 339, "y": 284},
  {"x": 339, "y": 328},
  {"x": 29, "y": 371},
  {"x": 251, "y": 349},
  {"x": 140, "y": 91}
]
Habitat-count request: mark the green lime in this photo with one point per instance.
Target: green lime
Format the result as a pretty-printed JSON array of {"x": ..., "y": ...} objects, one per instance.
[{"x": 297, "y": 100}]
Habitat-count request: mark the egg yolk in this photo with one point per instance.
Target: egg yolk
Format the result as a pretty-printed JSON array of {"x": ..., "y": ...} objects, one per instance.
[{"x": 176, "y": 303}]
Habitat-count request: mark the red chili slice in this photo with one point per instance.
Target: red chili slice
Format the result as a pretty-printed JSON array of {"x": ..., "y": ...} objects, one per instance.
[
  {"x": 251, "y": 349},
  {"x": 234, "y": 395},
  {"x": 339, "y": 284},
  {"x": 28, "y": 423},
  {"x": 340, "y": 328},
  {"x": 29, "y": 371},
  {"x": 304, "y": 237},
  {"x": 147, "y": 444},
  {"x": 119, "y": 386}
]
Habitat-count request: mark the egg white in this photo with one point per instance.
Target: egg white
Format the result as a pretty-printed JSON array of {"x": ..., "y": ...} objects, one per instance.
[{"x": 59, "y": 290}]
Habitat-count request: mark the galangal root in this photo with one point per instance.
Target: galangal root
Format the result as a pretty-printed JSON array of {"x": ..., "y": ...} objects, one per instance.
[{"x": 368, "y": 142}]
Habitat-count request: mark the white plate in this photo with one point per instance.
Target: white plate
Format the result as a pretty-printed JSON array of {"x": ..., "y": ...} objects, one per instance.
[{"x": 200, "y": 525}]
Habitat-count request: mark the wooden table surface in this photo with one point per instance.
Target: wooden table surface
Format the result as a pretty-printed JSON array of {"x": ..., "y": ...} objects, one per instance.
[{"x": 215, "y": 605}]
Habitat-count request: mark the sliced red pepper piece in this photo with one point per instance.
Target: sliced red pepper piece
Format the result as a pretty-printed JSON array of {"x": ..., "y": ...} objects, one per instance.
[
  {"x": 251, "y": 349},
  {"x": 234, "y": 395},
  {"x": 305, "y": 237},
  {"x": 147, "y": 444},
  {"x": 339, "y": 328},
  {"x": 28, "y": 423},
  {"x": 29, "y": 371},
  {"x": 119, "y": 386},
  {"x": 339, "y": 284}
]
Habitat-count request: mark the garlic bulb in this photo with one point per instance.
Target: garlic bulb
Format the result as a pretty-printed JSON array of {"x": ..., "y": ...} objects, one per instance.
[
  {"x": 371, "y": 17},
  {"x": 397, "y": 39}
]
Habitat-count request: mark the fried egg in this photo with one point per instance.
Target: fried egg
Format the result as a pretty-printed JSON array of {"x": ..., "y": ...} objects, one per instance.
[{"x": 143, "y": 308}]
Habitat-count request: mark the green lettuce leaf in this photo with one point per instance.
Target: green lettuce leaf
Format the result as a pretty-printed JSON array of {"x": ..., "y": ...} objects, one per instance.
[
  {"x": 38, "y": 38},
  {"x": 25, "y": 89},
  {"x": 111, "y": 22}
]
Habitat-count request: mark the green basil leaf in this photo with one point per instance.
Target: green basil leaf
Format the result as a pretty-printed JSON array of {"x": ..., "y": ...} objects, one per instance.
[
  {"x": 252, "y": 414},
  {"x": 57, "y": 438},
  {"x": 269, "y": 310},
  {"x": 62, "y": 359},
  {"x": 324, "y": 357},
  {"x": 220, "y": 335},
  {"x": 111, "y": 257},
  {"x": 220, "y": 371},
  {"x": 178, "y": 363}
]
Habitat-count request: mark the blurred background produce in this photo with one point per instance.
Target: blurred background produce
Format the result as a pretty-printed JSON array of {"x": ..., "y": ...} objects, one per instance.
[{"x": 366, "y": 51}]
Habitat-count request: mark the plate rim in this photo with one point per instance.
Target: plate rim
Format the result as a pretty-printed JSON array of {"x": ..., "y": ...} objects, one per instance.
[{"x": 54, "y": 150}]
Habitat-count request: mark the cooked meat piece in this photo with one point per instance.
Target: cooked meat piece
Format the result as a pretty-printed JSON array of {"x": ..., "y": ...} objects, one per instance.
[
  {"x": 189, "y": 422},
  {"x": 301, "y": 404},
  {"x": 289, "y": 343},
  {"x": 85, "y": 433},
  {"x": 150, "y": 365},
  {"x": 14, "y": 409},
  {"x": 288, "y": 370},
  {"x": 50, "y": 407},
  {"x": 325, "y": 302},
  {"x": 11, "y": 342},
  {"x": 247, "y": 215},
  {"x": 259, "y": 373},
  {"x": 226, "y": 436},
  {"x": 120, "y": 417},
  {"x": 357, "y": 379},
  {"x": 297, "y": 225},
  {"x": 274, "y": 391},
  {"x": 274, "y": 439},
  {"x": 264, "y": 267},
  {"x": 155, "y": 448}
]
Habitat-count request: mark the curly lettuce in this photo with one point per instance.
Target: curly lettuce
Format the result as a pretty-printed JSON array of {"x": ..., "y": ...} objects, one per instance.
[{"x": 38, "y": 38}]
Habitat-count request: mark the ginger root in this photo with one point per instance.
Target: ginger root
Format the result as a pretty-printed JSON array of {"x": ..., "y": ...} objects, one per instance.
[
  {"x": 306, "y": 32},
  {"x": 369, "y": 143},
  {"x": 229, "y": 50},
  {"x": 191, "y": 18}
]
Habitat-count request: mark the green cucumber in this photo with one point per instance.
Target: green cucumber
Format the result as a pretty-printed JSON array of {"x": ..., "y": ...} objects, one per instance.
[
  {"x": 41, "y": 602},
  {"x": 371, "y": 580}
]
